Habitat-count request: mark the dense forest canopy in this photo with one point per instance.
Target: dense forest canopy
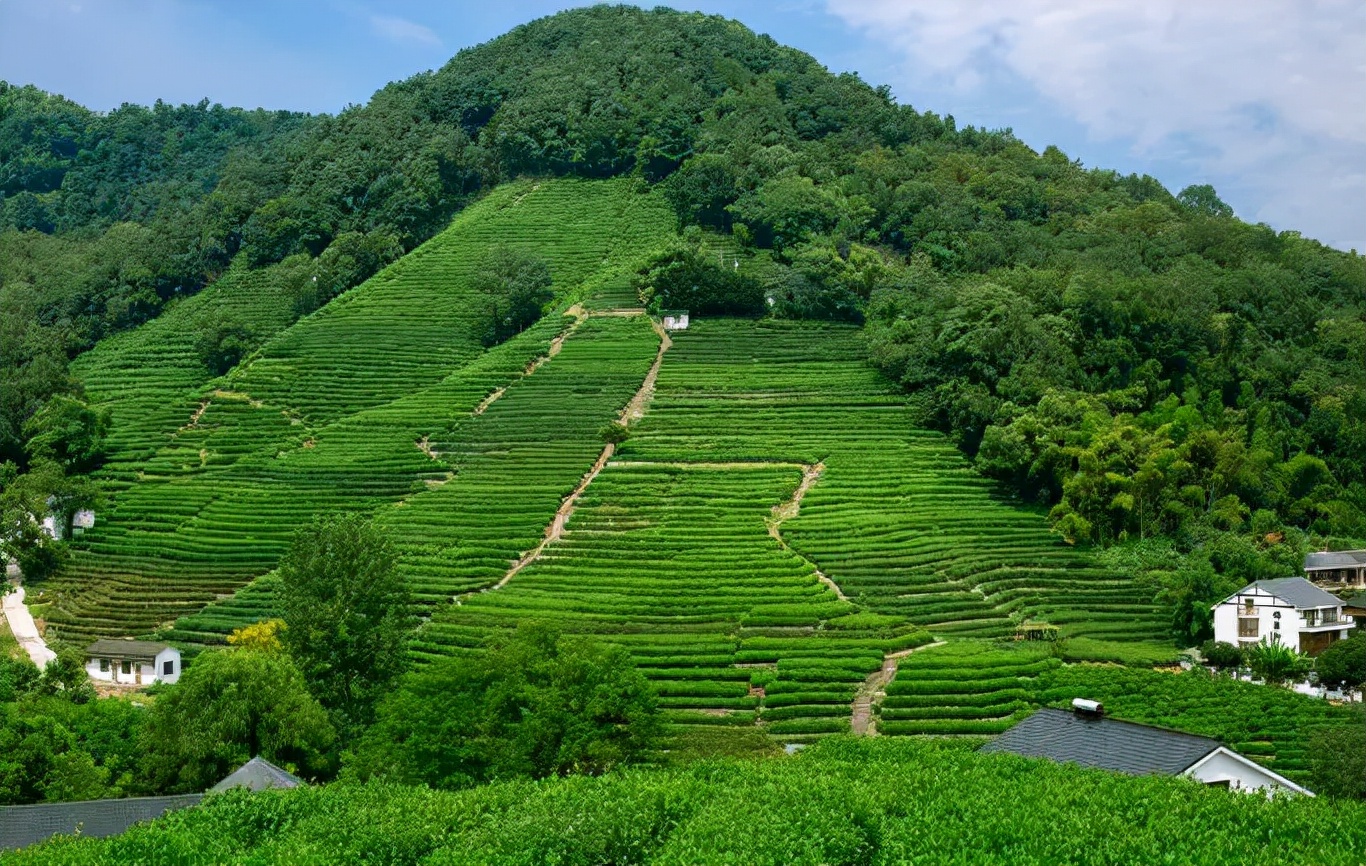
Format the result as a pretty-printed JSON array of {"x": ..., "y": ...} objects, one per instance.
[{"x": 1153, "y": 369}]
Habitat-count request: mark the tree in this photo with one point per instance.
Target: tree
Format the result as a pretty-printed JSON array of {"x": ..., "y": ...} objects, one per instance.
[
  {"x": 346, "y": 614},
  {"x": 66, "y": 431},
  {"x": 1275, "y": 662},
  {"x": 1202, "y": 199},
  {"x": 538, "y": 704},
  {"x": 1221, "y": 654},
  {"x": 516, "y": 286},
  {"x": 263, "y": 635},
  {"x": 1337, "y": 758},
  {"x": 228, "y": 707},
  {"x": 1343, "y": 663}
]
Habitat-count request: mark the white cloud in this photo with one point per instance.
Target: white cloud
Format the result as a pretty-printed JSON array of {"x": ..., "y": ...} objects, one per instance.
[
  {"x": 1265, "y": 97},
  {"x": 402, "y": 30}
]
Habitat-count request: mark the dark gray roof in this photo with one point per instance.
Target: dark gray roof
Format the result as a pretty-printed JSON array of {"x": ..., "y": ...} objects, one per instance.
[
  {"x": 1100, "y": 742},
  {"x": 1296, "y": 590},
  {"x": 21, "y": 826},
  {"x": 124, "y": 649},
  {"x": 258, "y": 774},
  {"x": 1338, "y": 559}
]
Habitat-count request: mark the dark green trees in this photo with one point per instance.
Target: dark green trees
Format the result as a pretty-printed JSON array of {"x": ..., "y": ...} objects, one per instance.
[
  {"x": 346, "y": 613},
  {"x": 228, "y": 707},
  {"x": 516, "y": 287},
  {"x": 537, "y": 705}
]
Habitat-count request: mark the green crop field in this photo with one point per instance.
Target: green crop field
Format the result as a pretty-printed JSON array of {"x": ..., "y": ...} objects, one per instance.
[
  {"x": 772, "y": 530},
  {"x": 344, "y": 410}
]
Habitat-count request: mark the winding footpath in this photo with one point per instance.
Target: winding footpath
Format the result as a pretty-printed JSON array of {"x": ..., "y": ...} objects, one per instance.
[
  {"x": 24, "y": 628},
  {"x": 861, "y": 718}
]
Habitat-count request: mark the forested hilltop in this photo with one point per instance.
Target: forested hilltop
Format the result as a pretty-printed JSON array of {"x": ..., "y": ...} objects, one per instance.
[{"x": 1156, "y": 371}]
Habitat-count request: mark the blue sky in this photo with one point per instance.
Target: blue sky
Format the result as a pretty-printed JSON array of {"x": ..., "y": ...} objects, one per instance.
[{"x": 1265, "y": 99}]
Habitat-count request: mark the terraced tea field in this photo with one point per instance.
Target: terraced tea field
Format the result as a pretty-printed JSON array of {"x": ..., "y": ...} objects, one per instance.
[
  {"x": 693, "y": 550},
  {"x": 337, "y": 412},
  {"x": 898, "y": 519}
]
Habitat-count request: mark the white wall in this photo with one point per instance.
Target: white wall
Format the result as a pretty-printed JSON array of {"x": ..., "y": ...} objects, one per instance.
[
  {"x": 151, "y": 671},
  {"x": 1227, "y": 614},
  {"x": 1241, "y": 774},
  {"x": 170, "y": 654}
]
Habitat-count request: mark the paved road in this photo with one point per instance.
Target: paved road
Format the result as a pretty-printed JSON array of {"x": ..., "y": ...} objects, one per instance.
[{"x": 25, "y": 631}]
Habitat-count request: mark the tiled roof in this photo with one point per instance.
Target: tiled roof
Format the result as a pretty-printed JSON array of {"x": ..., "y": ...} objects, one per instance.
[
  {"x": 1105, "y": 743},
  {"x": 142, "y": 650},
  {"x": 1338, "y": 559},
  {"x": 258, "y": 774},
  {"x": 1296, "y": 590}
]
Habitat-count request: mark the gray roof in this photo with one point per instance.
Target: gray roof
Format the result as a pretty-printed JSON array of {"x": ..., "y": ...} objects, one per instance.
[
  {"x": 258, "y": 774},
  {"x": 1296, "y": 590},
  {"x": 1105, "y": 743},
  {"x": 21, "y": 826},
  {"x": 1339, "y": 559},
  {"x": 125, "y": 649}
]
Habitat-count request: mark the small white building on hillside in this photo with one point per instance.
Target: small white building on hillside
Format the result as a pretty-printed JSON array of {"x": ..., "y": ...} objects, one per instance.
[
  {"x": 675, "y": 320},
  {"x": 1304, "y": 617},
  {"x": 132, "y": 662}
]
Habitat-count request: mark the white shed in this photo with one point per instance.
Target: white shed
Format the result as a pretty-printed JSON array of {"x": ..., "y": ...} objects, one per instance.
[
  {"x": 675, "y": 320},
  {"x": 132, "y": 662},
  {"x": 1304, "y": 617}
]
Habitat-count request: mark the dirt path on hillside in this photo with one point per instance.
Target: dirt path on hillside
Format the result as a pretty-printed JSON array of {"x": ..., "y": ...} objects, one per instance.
[
  {"x": 637, "y": 404},
  {"x": 790, "y": 509},
  {"x": 635, "y": 409},
  {"x": 24, "y": 628},
  {"x": 861, "y": 719}
]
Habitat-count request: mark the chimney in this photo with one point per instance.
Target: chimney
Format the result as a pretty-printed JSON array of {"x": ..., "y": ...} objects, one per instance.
[{"x": 1087, "y": 709}]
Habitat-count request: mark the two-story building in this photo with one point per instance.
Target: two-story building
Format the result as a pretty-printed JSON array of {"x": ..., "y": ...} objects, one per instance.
[{"x": 1304, "y": 617}]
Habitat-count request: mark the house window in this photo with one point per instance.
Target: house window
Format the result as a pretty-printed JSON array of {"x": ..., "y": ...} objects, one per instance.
[
  {"x": 1311, "y": 618},
  {"x": 1330, "y": 616},
  {"x": 1249, "y": 607},
  {"x": 167, "y": 668},
  {"x": 104, "y": 666},
  {"x": 1247, "y": 628},
  {"x": 127, "y": 666}
]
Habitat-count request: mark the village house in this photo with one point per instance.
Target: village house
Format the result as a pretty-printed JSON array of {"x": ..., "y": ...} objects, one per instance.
[
  {"x": 674, "y": 320},
  {"x": 1086, "y": 737},
  {"x": 1343, "y": 568},
  {"x": 1304, "y": 617},
  {"x": 132, "y": 662}
]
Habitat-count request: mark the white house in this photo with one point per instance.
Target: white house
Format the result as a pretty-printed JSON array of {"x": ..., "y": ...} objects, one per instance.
[
  {"x": 1086, "y": 737},
  {"x": 675, "y": 320},
  {"x": 80, "y": 522},
  {"x": 132, "y": 662},
  {"x": 1305, "y": 617},
  {"x": 1346, "y": 568}
]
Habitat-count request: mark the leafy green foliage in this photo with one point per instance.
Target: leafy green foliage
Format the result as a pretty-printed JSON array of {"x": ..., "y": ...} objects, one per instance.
[
  {"x": 515, "y": 285},
  {"x": 686, "y": 278},
  {"x": 227, "y": 708},
  {"x": 538, "y": 704},
  {"x": 1337, "y": 759},
  {"x": 1221, "y": 654},
  {"x": 346, "y": 615},
  {"x": 1275, "y": 662},
  {"x": 842, "y": 801},
  {"x": 1343, "y": 663}
]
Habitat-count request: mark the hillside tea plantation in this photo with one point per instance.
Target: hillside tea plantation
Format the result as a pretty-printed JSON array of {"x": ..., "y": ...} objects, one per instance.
[
  {"x": 841, "y": 801},
  {"x": 333, "y": 413}
]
